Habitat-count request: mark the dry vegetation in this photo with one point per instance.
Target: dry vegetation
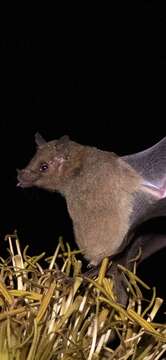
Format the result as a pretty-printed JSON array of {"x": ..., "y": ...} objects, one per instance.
[{"x": 52, "y": 311}]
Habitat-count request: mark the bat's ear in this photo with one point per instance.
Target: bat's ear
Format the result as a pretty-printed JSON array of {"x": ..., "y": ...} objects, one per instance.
[
  {"x": 62, "y": 149},
  {"x": 39, "y": 140},
  {"x": 64, "y": 140},
  {"x": 62, "y": 143}
]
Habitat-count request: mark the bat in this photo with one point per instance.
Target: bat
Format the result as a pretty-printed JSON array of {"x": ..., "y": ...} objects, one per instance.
[{"x": 107, "y": 196}]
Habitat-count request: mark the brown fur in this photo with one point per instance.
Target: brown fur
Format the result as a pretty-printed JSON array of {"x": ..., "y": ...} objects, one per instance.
[{"x": 98, "y": 186}]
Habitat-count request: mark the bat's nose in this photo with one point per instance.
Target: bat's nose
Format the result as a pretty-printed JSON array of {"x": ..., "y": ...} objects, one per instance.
[
  {"x": 18, "y": 172},
  {"x": 18, "y": 177},
  {"x": 24, "y": 178}
]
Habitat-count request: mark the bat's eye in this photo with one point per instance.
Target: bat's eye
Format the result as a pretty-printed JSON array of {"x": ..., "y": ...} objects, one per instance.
[{"x": 44, "y": 167}]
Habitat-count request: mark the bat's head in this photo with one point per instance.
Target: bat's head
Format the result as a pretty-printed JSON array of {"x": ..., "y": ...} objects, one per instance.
[{"x": 52, "y": 166}]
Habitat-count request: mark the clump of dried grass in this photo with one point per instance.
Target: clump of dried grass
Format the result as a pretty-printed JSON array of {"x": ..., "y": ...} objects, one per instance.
[{"x": 54, "y": 312}]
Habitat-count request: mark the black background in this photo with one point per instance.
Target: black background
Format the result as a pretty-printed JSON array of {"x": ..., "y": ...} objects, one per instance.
[{"x": 95, "y": 73}]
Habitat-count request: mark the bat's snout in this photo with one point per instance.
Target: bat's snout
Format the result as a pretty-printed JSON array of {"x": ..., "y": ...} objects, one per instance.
[{"x": 25, "y": 178}]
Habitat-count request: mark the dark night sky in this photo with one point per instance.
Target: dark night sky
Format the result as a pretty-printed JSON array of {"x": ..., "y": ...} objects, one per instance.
[{"x": 98, "y": 76}]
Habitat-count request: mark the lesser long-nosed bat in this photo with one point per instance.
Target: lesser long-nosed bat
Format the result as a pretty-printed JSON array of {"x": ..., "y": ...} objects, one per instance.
[{"x": 107, "y": 196}]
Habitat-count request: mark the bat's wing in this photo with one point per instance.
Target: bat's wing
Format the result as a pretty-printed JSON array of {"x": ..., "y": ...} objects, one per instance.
[
  {"x": 142, "y": 247},
  {"x": 151, "y": 165}
]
